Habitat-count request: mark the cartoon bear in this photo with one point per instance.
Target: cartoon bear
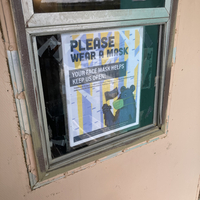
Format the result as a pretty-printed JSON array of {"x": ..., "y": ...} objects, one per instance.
[{"x": 126, "y": 111}]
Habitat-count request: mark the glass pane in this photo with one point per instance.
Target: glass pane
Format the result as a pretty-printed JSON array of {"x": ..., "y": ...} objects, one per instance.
[
  {"x": 43, "y": 6},
  {"x": 97, "y": 84}
]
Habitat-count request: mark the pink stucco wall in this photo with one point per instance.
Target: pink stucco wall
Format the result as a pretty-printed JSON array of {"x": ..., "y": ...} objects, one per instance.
[{"x": 166, "y": 169}]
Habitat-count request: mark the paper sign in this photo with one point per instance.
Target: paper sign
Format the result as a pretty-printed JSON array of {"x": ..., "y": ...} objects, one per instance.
[{"x": 102, "y": 69}]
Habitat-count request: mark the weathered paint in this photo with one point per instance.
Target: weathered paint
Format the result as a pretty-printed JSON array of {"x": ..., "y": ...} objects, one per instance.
[
  {"x": 140, "y": 145},
  {"x": 167, "y": 124},
  {"x": 110, "y": 156},
  {"x": 174, "y": 55},
  {"x": 7, "y": 25},
  {"x": 63, "y": 18}
]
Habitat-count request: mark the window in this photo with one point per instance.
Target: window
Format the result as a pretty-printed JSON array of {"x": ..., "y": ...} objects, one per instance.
[
  {"x": 86, "y": 5},
  {"x": 94, "y": 75}
]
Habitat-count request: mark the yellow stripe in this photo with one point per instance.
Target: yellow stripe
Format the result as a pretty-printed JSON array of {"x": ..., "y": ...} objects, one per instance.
[
  {"x": 137, "y": 43},
  {"x": 135, "y": 79},
  {"x": 127, "y": 33},
  {"x": 74, "y": 36},
  {"x": 126, "y": 56},
  {"x": 105, "y": 58},
  {"x": 106, "y": 83},
  {"x": 125, "y": 80},
  {"x": 80, "y": 111},
  {"x": 137, "y": 38},
  {"x": 90, "y": 36},
  {"x": 116, "y": 39},
  {"x": 116, "y": 80},
  {"x": 91, "y": 92}
]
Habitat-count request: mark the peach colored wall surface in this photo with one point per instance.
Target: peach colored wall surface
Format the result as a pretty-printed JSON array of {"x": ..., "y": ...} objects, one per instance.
[{"x": 167, "y": 169}]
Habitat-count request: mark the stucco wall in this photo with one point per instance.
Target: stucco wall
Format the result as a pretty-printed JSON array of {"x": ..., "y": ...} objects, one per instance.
[{"x": 166, "y": 169}]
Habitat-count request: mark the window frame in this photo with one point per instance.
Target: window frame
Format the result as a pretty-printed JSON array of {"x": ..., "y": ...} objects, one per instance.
[
  {"x": 46, "y": 167},
  {"x": 62, "y": 18}
]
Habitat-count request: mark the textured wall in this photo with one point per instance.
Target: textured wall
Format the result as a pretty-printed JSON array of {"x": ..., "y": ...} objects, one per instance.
[{"x": 166, "y": 169}]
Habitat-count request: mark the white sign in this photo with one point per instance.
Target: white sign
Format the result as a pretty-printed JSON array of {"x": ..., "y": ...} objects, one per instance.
[{"x": 103, "y": 81}]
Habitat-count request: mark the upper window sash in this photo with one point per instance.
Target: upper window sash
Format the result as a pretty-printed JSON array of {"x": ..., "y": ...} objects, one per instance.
[{"x": 65, "y": 18}]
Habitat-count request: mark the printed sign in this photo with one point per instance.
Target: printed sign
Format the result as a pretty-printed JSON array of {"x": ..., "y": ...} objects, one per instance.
[{"x": 103, "y": 81}]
